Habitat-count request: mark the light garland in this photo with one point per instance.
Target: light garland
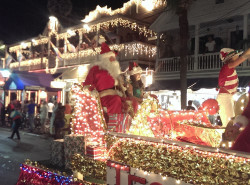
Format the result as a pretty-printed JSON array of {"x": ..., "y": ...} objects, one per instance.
[
  {"x": 123, "y": 22},
  {"x": 87, "y": 118},
  {"x": 184, "y": 163},
  {"x": 31, "y": 173},
  {"x": 140, "y": 124},
  {"x": 94, "y": 28},
  {"x": 100, "y": 11},
  {"x": 129, "y": 49},
  {"x": 30, "y": 62},
  {"x": 28, "y": 44},
  {"x": 154, "y": 4},
  {"x": 51, "y": 71}
]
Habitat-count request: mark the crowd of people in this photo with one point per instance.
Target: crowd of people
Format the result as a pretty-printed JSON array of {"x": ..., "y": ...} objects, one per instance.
[{"x": 43, "y": 118}]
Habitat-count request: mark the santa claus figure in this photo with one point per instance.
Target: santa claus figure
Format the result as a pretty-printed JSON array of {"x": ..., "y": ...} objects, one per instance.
[{"x": 103, "y": 76}]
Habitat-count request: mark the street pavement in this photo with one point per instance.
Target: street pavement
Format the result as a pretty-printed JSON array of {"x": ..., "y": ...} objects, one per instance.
[{"x": 13, "y": 153}]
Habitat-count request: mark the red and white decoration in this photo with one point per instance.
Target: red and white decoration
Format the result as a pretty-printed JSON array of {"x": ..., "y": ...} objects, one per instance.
[{"x": 118, "y": 174}]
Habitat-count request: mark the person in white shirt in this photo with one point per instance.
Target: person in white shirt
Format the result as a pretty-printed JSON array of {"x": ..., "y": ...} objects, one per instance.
[
  {"x": 50, "y": 109},
  {"x": 210, "y": 45}
]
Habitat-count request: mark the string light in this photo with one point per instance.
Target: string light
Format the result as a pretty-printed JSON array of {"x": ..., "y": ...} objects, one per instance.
[
  {"x": 169, "y": 160},
  {"x": 108, "y": 12},
  {"x": 88, "y": 117},
  {"x": 37, "y": 175},
  {"x": 129, "y": 49}
]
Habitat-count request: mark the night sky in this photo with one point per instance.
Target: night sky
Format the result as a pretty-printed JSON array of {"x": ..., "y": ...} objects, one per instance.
[{"x": 24, "y": 19}]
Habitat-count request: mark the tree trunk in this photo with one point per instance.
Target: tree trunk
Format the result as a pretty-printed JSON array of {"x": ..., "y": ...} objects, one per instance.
[{"x": 184, "y": 34}]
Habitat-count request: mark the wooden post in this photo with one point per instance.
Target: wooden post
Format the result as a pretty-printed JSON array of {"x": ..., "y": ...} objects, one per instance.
[{"x": 196, "y": 48}]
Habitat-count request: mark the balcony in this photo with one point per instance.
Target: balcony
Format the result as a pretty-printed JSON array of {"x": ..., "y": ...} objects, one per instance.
[
  {"x": 126, "y": 52},
  {"x": 208, "y": 64}
]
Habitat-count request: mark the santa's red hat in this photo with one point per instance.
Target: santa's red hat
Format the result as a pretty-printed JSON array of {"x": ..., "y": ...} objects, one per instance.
[
  {"x": 228, "y": 53},
  {"x": 134, "y": 68},
  {"x": 106, "y": 52}
]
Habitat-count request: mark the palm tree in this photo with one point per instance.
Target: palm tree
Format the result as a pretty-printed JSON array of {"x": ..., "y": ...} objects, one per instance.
[
  {"x": 60, "y": 9},
  {"x": 2, "y": 49},
  {"x": 180, "y": 7}
]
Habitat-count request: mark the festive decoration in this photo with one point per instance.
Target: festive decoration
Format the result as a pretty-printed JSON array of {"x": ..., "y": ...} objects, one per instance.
[
  {"x": 34, "y": 175},
  {"x": 51, "y": 71},
  {"x": 88, "y": 118},
  {"x": 191, "y": 126},
  {"x": 57, "y": 152},
  {"x": 119, "y": 122},
  {"x": 96, "y": 152},
  {"x": 241, "y": 103},
  {"x": 28, "y": 44},
  {"x": 198, "y": 135},
  {"x": 211, "y": 106},
  {"x": 129, "y": 49},
  {"x": 89, "y": 167},
  {"x": 73, "y": 144},
  {"x": 26, "y": 63},
  {"x": 187, "y": 164},
  {"x": 99, "y": 11},
  {"x": 139, "y": 125},
  {"x": 118, "y": 168}
]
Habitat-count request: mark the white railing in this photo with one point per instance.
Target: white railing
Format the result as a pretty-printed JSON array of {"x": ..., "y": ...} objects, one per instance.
[
  {"x": 127, "y": 51},
  {"x": 208, "y": 61}
]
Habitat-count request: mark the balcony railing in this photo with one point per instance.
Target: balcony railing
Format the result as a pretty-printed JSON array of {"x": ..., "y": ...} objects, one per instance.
[
  {"x": 127, "y": 51},
  {"x": 205, "y": 62}
]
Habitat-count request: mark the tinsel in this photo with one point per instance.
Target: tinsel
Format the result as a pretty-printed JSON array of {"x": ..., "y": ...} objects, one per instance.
[
  {"x": 89, "y": 167},
  {"x": 184, "y": 163}
]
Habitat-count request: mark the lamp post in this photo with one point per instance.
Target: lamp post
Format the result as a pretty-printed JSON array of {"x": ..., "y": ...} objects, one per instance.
[{"x": 6, "y": 74}]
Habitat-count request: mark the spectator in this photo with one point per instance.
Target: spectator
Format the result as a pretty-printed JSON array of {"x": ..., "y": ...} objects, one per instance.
[
  {"x": 31, "y": 112},
  {"x": 50, "y": 109},
  {"x": 210, "y": 45},
  {"x": 53, "y": 118},
  {"x": 59, "y": 121},
  {"x": 10, "y": 108},
  {"x": 16, "y": 116},
  {"x": 190, "y": 107},
  {"x": 25, "y": 107},
  {"x": 43, "y": 115}
]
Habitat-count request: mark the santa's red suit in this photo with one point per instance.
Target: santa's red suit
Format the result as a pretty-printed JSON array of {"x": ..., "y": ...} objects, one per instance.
[
  {"x": 101, "y": 80},
  {"x": 103, "y": 77}
]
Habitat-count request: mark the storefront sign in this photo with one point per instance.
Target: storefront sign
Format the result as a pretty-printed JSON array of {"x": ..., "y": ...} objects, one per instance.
[
  {"x": 57, "y": 84},
  {"x": 34, "y": 88}
]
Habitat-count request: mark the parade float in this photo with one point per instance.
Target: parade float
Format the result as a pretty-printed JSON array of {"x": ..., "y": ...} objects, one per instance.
[{"x": 156, "y": 147}]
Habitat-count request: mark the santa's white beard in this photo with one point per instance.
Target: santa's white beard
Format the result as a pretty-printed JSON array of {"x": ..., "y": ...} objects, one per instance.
[{"x": 112, "y": 67}]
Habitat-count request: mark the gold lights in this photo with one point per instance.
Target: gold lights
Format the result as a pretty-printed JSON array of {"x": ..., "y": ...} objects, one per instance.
[
  {"x": 147, "y": 4},
  {"x": 185, "y": 163}
]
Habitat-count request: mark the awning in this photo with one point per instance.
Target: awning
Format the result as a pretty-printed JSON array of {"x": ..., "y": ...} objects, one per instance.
[
  {"x": 194, "y": 84},
  {"x": 22, "y": 80}
]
